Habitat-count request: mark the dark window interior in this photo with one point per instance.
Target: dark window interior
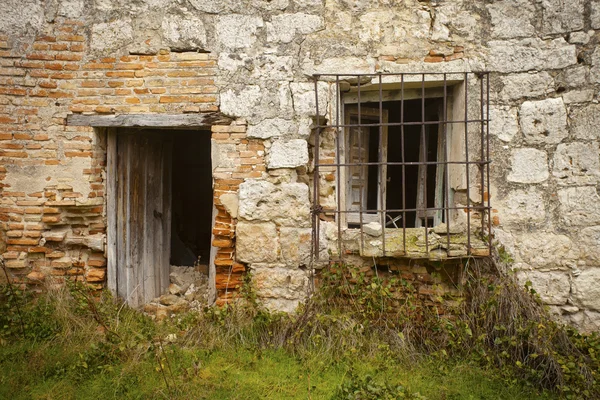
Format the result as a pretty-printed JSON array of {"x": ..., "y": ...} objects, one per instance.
[
  {"x": 192, "y": 201},
  {"x": 413, "y": 138}
]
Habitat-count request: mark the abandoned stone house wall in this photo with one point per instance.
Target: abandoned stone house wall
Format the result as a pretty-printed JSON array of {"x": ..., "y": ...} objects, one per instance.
[{"x": 252, "y": 62}]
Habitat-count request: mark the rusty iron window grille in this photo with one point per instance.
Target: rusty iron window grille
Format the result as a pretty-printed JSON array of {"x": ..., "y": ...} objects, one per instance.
[{"x": 398, "y": 137}]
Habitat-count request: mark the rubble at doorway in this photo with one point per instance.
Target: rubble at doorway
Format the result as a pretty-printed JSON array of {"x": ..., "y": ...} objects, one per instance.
[{"x": 188, "y": 290}]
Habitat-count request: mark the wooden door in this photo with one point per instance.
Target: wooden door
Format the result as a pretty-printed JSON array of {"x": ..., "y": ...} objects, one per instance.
[{"x": 143, "y": 208}]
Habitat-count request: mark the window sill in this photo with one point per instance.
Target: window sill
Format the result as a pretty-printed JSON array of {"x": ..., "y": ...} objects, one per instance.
[{"x": 439, "y": 246}]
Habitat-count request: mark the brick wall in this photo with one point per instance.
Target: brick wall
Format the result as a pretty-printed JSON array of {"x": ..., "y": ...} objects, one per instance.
[
  {"x": 247, "y": 161},
  {"x": 52, "y": 176}
]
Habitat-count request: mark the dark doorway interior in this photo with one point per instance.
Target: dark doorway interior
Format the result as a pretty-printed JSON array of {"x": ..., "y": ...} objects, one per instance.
[{"x": 192, "y": 197}]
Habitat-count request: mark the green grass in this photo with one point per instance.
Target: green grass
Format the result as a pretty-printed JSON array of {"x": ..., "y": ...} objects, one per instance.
[
  {"x": 42, "y": 371},
  {"x": 72, "y": 346}
]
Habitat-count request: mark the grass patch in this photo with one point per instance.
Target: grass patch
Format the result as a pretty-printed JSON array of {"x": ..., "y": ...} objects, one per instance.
[{"x": 347, "y": 343}]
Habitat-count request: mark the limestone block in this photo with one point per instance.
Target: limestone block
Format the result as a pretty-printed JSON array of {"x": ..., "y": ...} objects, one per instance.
[
  {"x": 544, "y": 250},
  {"x": 341, "y": 65},
  {"x": 273, "y": 67},
  {"x": 279, "y": 283},
  {"x": 595, "y": 70},
  {"x": 183, "y": 32},
  {"x": 372, "y": 228},
  {"x": 511, "y": 19},
  {"x": 71, "y": 8},
  {"x": 589, "y": 244},
  {"x": 578, "y": 96},
  {"x": 221, "y": 154},
  {"x": 528, "y": 166},
  {"x": 573, "y": 77},
  {"x": 279, "y": 127},
  {"x": 281, "y": 305},
  {"x": 110, "y": 36},
  {"x": 236, "y": 31},
  {"x": 213, "y": 6},
  {"x": 530, "y": 54},
  {"x": 579, "y": 37},
  {"x": 579, "y": 206},
  {"x": 256, "y": 242},
  {"x": 517, "y": 86},
  {"x": 241, "y": 103},
  {"x": 559, "y": 16},
  {"x": 544, "y": 121},
  {"x": 585, "y": 122},
  {"x": 231, "y": 203},
  {"x": 586, "y": 321},
  {"x": 553, "y": 287},
  {"x": 521, "y": 207},
  {"x": 303, "y": 94},
  {"x": 504, "y": 123},
  {"x": 22, "y": 16},
  {"x": 288, "y": 154},
  {"x": 586, "y": 289},
  {"x": 287, "y": 204},
  {"x": 595, "y": 15},
  {"x": 284, "y": 27},
  {"x": 296, "y": 246},
  {"x": 577, "y": 163}
]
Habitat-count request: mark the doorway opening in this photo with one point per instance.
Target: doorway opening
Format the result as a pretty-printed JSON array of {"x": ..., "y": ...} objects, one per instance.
[
  {"x": 160, "y": 211},
  {"x": 191, "y": 217}
]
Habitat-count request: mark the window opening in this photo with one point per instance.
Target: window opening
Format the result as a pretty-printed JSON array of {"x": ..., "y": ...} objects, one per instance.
[{"x": 402, "y": 156}]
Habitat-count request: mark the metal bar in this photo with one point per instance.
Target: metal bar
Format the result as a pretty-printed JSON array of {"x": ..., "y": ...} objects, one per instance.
[
  {"x": 458, "y": 121},
  {"x": 338, "y": 169},
  {"x": 360, "y": 192},
  {"x": 474, "y": 162},
  {"x": 487, "y": 138},
  {"x": 482, "y": 156},
  {"x": 382, "y": 179},
  {"x": 446, "y": 167},
  {"x": 403, "y": 163},
  {"x": 316, "y": 179},
  {"x": 424, "y": 145},
  {"x": 377, "y": 210},
  {"x": 458, "y": 73},
  {"x": 467, "y": 164}
]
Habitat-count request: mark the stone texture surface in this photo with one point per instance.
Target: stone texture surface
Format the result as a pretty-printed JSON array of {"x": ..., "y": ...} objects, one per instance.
[
  {"x": 257, "y": 242},
  {"x": 586, "y": 290},
  {"x": 579, "y": 206},
  {"x": 586, "y": 122},
  {"x": 535, "y": 84},
  {"x": 554, "y": 287},
  {"x": 577, "y": 163},
  {"x": 288, "y": 154},
  {"x": 511, "y": 19},
  {"x": 521, "y": 208},
  {"x": 528, "y": 165},
  {"x": 504, "y": 122},
  {"x": 544, "y": 121},
  {"x": 531, "y": 54},
  {"x": 286, "y": 204},
  {"x": 546, "y": 250}
]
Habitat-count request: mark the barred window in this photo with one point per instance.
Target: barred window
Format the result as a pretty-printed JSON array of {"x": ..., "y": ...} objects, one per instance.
[{"x": 409, "y": 157}]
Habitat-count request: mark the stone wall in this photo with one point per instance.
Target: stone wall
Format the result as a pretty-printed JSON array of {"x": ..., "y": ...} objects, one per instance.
[{"x": 252, "y": 61}]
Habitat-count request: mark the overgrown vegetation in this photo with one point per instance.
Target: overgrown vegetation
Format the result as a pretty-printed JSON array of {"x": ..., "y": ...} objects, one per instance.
[{"x": 360, "y": 337}]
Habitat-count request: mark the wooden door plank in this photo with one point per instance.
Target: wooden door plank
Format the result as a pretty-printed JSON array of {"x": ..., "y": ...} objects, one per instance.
[
  {"x": 122, "y": 207},
  {"x": 111, "y": 210},
  {"x": 165, "y": 248}
]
